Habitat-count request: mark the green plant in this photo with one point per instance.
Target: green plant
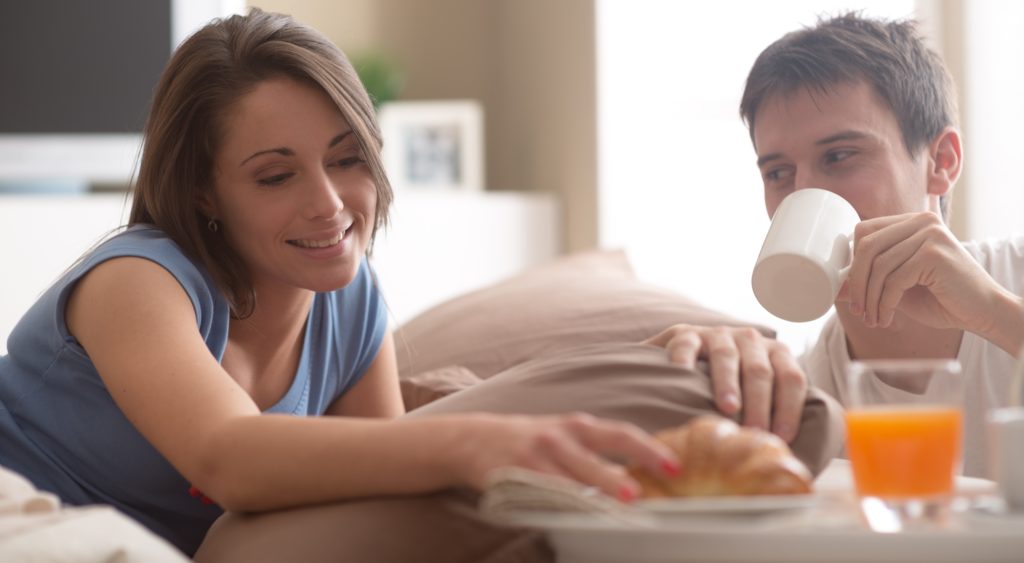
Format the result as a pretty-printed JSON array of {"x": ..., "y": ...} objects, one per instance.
[{"x": 381, "y": 74}]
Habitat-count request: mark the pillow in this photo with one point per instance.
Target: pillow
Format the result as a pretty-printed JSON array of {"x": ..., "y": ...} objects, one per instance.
[
  {"x": 426, "y": 387},
  {"x": 585, "y": 298},
  {"x": 35, "y": 527},
  {"x": 631, "y": 382}
]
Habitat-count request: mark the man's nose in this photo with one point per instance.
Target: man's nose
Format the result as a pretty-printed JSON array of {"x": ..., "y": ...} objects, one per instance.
[{"x": 807, "y": 179}]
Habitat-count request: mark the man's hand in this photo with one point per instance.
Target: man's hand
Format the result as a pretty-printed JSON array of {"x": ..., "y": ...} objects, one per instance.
[
  {"x": 913, "y": 264},
  {"x": 743, "y": 364}
]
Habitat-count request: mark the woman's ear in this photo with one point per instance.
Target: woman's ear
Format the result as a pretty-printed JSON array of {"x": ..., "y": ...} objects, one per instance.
[
  {"x": 945, "y": 161},
  {"x": 206, "y": 204}
]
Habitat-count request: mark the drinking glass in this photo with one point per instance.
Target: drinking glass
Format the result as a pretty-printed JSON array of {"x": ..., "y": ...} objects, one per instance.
[{"x": 904, "y": 438}]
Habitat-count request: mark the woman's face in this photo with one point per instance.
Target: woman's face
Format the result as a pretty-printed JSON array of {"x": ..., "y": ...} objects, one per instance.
[{"x": 292, "y": 191}]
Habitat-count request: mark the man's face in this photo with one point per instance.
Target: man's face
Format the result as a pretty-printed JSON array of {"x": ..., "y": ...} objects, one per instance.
[{"x": 845, "y": 140}]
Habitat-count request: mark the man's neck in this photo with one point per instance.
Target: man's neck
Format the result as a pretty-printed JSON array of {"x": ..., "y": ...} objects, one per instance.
[{"x": 903, "y": 339}]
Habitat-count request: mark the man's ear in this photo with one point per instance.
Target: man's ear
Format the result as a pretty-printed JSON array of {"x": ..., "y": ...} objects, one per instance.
[{"x": 945, "y": 161}]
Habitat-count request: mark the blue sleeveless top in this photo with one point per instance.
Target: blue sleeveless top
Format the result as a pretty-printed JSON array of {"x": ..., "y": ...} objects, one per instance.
[{"x": 60, "y": 428}]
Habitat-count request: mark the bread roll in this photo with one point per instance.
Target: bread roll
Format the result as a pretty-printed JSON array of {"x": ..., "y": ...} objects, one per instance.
[{"x": 718, "y": 457}]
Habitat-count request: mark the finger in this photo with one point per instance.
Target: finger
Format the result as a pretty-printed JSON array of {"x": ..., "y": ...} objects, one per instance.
[
  {"x": 872, "y": 238},
  {"x": 723, "y": 357},
  {"x": 894, "y": 257},
  {"x": 625, "y": 441},
  {"x": 790, "y": 393},
  {"x": 662, "y": 338},
  {"x": 909, "y": 275},
  {"x": 684, "y": 348},
  {"x": 844, "y": 293},
  {"x": 868, "y": 226},
  {"x": 585, "y": 466},
  {"x": 756, "y": 377}
]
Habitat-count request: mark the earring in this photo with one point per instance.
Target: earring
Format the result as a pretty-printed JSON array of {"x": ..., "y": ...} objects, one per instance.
[{"x": 213, "y": 225}]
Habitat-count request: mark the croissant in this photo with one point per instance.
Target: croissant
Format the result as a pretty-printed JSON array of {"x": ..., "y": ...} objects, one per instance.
[{"x": 720, "y": 458}]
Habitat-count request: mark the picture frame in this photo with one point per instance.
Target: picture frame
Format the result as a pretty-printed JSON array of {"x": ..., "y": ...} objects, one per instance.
[{"x": 433, "y": 145}]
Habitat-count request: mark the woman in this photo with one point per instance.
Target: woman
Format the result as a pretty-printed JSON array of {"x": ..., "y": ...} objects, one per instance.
[
  {"x": 162, "y": 374},
  {"x": 241, "y": 288}
]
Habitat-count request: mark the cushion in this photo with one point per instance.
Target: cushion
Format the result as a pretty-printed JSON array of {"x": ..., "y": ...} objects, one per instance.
[
  {"x": 423, "y": 388},
  {"x": 632, "y": 382},
  {"x": 35, "y": 527},
  {"x": 585, "y": 298}
]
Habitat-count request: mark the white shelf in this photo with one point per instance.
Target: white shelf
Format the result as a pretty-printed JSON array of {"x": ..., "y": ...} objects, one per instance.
[{"x": 440, "y": 244}]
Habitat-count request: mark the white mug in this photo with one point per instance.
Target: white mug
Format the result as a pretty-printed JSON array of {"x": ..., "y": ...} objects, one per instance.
[
  {"x": 1006, "y": 456},
  {"x": 806, "y": 255}
]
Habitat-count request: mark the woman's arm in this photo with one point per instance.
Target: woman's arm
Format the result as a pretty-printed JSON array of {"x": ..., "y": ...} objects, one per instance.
[
  {"x": 139, "y": 328},
  {"x": 377, "y": 393}
]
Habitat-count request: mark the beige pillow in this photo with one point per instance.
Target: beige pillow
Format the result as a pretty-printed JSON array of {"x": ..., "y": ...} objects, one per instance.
[
  {"x": 631, "y": 382},
  {"x": 586, "y": 298},
  {"x": 426, "y": 387}
]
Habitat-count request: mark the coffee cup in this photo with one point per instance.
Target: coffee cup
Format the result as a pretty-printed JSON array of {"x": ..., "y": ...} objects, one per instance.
[
  {"x": 1006, "y": 457},
  {"x": 806, "y": 255}
]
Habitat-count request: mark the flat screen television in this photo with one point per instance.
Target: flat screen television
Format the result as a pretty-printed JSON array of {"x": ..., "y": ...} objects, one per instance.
[{"x": 76, "y": 81}]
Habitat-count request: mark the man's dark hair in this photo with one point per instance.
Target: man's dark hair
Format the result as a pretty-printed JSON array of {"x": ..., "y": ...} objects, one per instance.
[{"x": 891, "y": 56}]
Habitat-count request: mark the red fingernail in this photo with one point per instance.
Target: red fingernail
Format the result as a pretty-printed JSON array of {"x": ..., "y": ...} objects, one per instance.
[
  {"x": 193, "y": 491},
  {"x": 627, "y": 493},
  {"x": 206, "y": 500},
  {"x": 670, "y": 468}
]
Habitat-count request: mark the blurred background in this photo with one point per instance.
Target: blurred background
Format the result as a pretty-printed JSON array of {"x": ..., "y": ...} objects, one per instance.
[{"x": 619, "y": 120}]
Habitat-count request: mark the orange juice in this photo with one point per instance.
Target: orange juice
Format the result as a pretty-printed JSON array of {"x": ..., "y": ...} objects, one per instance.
[{"x": 904, "y": 451}]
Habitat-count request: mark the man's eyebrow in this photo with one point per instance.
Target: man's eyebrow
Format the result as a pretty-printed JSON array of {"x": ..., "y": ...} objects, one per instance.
[
  {"x": 285, "y": 151},
  {"x": 850, "y": 135},
  {"x": 768, "y": 158}
]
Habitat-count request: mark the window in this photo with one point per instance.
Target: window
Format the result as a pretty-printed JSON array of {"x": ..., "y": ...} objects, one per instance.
[{"x": 678, "y": 187}]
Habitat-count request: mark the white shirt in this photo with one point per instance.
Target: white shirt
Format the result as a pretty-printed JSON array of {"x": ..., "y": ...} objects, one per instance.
[{"x": 988, "y": 369}]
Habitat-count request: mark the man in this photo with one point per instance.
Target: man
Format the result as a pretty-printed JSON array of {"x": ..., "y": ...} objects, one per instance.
[{"x": 864, "y": 109}]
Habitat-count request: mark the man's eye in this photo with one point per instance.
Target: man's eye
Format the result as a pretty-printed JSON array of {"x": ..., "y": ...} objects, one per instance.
[
  {"x": 776, "y": 174},
  {"x": 836, "y": 156}
]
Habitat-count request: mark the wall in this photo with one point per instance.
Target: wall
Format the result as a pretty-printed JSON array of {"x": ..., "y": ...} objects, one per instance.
[{"x": 530, "y": 62}]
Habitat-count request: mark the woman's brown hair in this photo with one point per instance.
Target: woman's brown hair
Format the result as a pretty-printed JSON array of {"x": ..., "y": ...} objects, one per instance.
[{"x": 207, "y": 74}]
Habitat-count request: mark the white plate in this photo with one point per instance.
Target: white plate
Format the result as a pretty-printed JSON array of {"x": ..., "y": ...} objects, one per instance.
[
  {"x": 577, "y": 541},
  {"x": 826, "y": 532},
  {"x": 725, "y": 506}
]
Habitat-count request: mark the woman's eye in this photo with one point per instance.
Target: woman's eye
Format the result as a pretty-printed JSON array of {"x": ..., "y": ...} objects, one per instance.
[
  {"x": 349, "y": 162},
  {"x": 274, "y": 180}
]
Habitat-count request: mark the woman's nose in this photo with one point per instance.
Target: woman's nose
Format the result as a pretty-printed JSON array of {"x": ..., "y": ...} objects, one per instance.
[{"x": 324, "y": 199}]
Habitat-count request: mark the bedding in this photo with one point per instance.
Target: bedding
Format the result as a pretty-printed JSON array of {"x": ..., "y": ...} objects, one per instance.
[
  {"x": 633, "y": 382},
  {"x": 590, "y": 297},
  {"x": 35, "y": 527},
  {"x": 559, "y": 338}
]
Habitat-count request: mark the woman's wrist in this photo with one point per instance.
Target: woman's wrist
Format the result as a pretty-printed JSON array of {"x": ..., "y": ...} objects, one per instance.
[{"x": 455, "y": 441}]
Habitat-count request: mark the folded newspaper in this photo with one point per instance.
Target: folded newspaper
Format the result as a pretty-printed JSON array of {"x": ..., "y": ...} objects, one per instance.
[{"x": 517, "y": 496}]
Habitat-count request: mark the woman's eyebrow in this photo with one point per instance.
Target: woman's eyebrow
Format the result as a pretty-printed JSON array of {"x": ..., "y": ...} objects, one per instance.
[{"x": 285, "y": 151}]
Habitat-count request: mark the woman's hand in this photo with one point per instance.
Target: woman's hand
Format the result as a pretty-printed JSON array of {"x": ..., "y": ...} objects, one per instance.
[
  {"x": 748, "y": 371},
  {"x": 574, "y": 446}
]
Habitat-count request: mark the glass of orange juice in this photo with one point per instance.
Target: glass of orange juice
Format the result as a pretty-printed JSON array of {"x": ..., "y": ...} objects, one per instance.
[{"x": 904, "y": 439}]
